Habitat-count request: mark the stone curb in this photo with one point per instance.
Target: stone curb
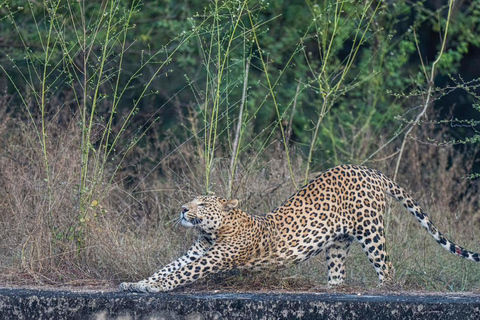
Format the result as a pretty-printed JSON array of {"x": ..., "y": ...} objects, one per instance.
[{"x": 37, "y": 304}]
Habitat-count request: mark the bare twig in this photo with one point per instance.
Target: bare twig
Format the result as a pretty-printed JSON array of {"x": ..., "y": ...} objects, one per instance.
[
  {"x": 238, "y": 131},
  {"x": 431, "y": 84},
  {"x": 289, "y": 128}
]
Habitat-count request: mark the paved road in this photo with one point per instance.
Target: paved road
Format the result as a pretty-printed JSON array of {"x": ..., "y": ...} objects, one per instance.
[{"x": 38, "y": 304}]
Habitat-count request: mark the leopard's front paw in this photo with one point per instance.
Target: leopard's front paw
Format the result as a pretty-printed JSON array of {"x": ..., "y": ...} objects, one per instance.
[
  {"x": 128, "y": 286},
  {"x": 141, "y": 286}
]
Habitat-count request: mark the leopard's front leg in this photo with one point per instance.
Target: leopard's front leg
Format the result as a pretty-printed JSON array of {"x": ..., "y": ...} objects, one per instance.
[
  {"x": 212, "y": 262},
  {"x": 195, "y": 252}
]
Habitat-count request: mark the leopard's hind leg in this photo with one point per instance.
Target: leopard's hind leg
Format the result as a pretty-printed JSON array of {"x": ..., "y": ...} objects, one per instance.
[
  {"x": 373, "y": 244},
  {"x": 336, "y": 260}
]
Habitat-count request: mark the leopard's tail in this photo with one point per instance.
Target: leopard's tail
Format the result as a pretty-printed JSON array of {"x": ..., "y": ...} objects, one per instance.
[{"x": 411, "y": 205}]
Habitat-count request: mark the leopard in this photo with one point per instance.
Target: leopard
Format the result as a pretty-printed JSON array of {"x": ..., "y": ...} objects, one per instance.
[{"x": 341, "y": 205}]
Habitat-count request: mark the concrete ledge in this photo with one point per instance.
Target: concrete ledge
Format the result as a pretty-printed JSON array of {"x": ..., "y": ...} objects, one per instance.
[{"x": 36, "y": 304}]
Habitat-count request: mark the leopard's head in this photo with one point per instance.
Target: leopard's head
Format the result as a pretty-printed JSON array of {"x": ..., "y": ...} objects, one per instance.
[{"x": 206, "y": 213}]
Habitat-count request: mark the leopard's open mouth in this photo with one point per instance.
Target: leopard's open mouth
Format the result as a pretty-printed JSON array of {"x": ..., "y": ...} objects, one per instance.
[{"x": 189, "y": 222}]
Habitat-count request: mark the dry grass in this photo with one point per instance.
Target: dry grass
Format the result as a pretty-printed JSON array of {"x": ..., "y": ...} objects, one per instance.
[
  {"x": 44, "y": 239},
  {"x": 133, "y": 230}
]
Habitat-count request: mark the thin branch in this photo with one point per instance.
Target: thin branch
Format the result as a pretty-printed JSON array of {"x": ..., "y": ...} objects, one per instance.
[
  {"x": 429, "y": 90},
  {"x": 289, "y": 128},
  {"x": 238, "y": 131}
]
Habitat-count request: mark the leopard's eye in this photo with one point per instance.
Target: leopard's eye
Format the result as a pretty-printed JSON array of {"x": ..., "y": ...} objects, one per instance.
[{"x": 201, "y": 204}]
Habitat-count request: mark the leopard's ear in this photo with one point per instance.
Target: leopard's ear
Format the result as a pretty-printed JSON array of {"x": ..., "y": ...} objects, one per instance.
[{"x": 230, "y": 204}]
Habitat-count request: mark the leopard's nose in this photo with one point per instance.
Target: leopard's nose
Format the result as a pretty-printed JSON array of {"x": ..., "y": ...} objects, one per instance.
[{"x": 184, "y": 210}]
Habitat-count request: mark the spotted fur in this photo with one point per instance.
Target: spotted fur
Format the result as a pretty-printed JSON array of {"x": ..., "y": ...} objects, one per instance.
[{"x": 343, "y": 204}]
